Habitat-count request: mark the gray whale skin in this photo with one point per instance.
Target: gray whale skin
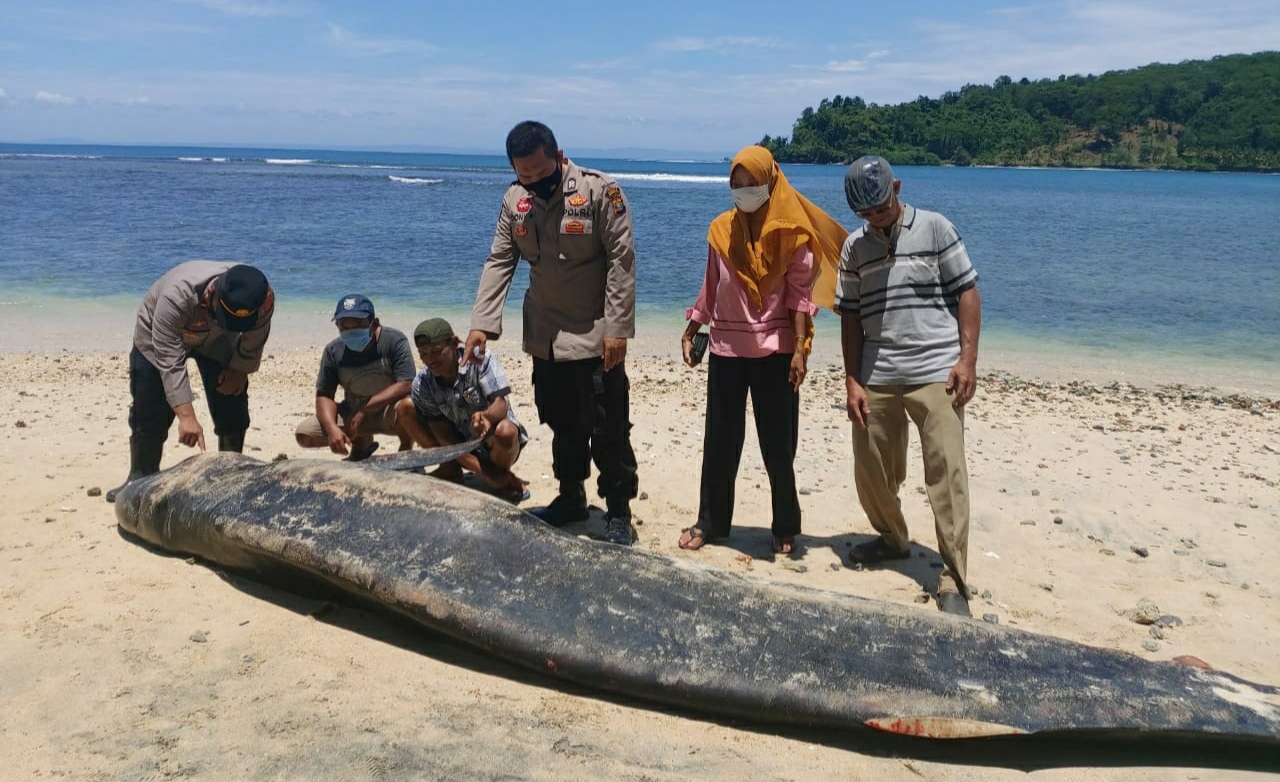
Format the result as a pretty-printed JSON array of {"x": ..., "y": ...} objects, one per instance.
[{"x": 661, "y": 629}]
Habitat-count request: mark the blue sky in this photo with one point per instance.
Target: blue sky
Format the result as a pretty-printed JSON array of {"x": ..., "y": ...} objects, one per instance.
[{"x": 697, "y": 76}]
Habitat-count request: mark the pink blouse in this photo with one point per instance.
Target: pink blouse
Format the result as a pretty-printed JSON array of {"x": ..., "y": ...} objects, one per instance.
[{"x": 736, "y": 329}]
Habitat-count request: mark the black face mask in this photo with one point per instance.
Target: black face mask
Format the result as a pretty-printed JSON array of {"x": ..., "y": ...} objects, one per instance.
[{"x": 544, "y": 187}]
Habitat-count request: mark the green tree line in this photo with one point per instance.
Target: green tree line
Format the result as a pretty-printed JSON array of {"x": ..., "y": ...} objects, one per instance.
[{"x": 1218, "y": 114}]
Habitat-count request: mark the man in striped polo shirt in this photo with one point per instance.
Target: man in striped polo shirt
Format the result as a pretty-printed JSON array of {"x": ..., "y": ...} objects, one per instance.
[{"x": 910, "y": 316}]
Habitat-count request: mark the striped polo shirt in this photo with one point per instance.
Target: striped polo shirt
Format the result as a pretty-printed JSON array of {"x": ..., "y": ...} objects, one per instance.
[{"x": 907, "y": 298}]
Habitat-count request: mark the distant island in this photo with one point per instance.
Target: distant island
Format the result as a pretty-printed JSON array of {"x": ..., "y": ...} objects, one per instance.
[{"x": 1221, "y": 114}]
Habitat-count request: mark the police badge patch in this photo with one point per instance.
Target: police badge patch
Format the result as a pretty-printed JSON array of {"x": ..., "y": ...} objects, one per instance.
[{"x": 614, "y": 194}]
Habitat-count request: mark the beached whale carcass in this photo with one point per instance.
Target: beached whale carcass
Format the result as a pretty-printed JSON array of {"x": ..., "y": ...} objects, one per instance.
[{"x": 663, "y": 629}]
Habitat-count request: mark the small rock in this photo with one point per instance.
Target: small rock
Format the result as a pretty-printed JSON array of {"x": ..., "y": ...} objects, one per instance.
[
  {"x": 991, "y": 619},
  {"x": 281, "y": 457},
  {"x": 49, "y": 519},
  {"x": 1046, "y": 586},
  {"x": 1216, "y": 563},
  {"x": 1178, "y": 552},
  {"x": 1057, "y": 519},
  {"x": 644, "y": 495},
  {"x": 247, "y": 658},
  {"x": 198, "y": 637},
  {"x": 1106, "y": 552},
  {"x": 1035, "y": 492},
  {"x": 1212, "y": 498},
  {"x": 1156, "y": 631},
  {"x": 805, "y": 490},
  {"x": 1042, "y": 466},
  {"x": 1028, "y": 523},
  {"x": 1140, "y": 551},
  {"x": 94, "y": 491},
  {"x": 1151, "y": 645},
  {"x": 795, "y": 567},
  {"x": 1169, "y": 620},
  {"x": 923, "y": 597},
  {"x": 1145, "y": 613},
  {"x": 986, "y": 594},
  {"x": 1241, "y": 525},
  {"x": 20, "y": 425}
]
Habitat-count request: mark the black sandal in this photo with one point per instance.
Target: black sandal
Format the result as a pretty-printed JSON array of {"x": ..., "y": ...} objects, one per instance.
[
  {"x": 781, "y": 541},
  {"x": 874, "y": 551},
  {"x": 697, "y": 538}
]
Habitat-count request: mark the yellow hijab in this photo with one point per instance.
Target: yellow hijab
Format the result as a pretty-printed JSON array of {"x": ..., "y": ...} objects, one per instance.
[{"x": 760, "y": 244}]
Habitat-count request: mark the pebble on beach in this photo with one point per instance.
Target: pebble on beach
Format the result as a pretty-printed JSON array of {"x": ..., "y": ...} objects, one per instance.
[{"x": 1145, "y": 613}]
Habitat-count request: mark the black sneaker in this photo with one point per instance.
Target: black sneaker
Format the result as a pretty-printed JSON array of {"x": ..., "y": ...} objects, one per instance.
[
  {"x": 620, "y": 530},
  {"x": 568, "y": 506}
]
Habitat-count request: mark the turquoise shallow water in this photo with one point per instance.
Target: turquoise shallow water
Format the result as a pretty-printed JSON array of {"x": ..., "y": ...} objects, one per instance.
[{"x": 1176, "y": 269}]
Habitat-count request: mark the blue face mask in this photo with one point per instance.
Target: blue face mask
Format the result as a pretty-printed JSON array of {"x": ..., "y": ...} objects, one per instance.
[{"x": 356, "y": 339}]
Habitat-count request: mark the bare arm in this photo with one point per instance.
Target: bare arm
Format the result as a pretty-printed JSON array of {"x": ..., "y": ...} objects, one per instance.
[
  {"x": 963, "y": 381},
  {"x": 483, "y": 421},
  {"x": 851, "y": 346}
]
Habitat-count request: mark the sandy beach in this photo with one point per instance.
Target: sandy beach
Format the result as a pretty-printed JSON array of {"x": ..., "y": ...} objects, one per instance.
[{"x": 1089, "y": 495}]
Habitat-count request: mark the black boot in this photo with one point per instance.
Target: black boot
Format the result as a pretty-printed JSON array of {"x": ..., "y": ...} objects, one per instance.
[
  {"x": 569, "y": 506},
  {"x": 618, "y": 527},
  {"x": 231, "y": 442},
  {"x": 144, "y": 459}
]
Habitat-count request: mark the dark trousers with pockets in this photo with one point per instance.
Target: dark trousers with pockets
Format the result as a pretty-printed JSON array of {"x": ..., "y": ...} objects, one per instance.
[
  {"x": 588, "y": 411},
  {"x": 150, "y": 415},
  {"x": 777, "y": 413}
]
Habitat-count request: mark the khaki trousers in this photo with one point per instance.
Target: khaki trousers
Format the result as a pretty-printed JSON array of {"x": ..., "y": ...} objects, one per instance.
[{"x": 880, "y": 467}]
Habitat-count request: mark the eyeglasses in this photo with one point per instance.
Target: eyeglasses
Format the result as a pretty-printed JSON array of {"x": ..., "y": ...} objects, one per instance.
[{"x": 876, "y": 211}]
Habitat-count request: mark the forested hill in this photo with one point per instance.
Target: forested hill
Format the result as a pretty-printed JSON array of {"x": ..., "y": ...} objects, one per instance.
[{"x": 1219, "y": 114}]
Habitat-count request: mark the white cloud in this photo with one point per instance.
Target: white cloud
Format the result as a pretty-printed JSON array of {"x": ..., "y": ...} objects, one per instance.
[
  {"x": 54, "y": 98},
  {"x": 4, "y": 96},
  {"x": 364, "y": 46},
  {"x": 849, "y": 66},
  {"x": 252, "y": 7},
  {"x": 720, "y": 44}
]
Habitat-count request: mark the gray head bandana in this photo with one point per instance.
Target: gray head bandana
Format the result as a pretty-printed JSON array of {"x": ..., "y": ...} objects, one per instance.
[{"x": 868, "y": 182}]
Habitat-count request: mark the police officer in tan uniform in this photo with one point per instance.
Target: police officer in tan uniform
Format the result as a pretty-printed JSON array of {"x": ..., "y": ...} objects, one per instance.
[
  {"x": 218, "y": 313},
  {"x": 573, "y": 227}
]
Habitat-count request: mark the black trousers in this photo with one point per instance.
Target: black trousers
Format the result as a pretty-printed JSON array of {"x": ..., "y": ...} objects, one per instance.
[
  {"x": 589, "y": 412},
  {"x": 777, "y": 413},
  {"x": 150, "y": 414}
]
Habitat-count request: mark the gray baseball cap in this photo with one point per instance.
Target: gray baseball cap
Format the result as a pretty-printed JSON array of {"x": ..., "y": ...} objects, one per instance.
[{"x": 868, "y": 182}]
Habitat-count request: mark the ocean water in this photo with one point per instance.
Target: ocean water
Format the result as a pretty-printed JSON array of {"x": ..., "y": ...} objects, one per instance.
[{"x": 1169, "y": 267}]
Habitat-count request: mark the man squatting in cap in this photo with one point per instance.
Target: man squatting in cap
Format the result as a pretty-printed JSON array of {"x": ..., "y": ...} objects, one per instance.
[
  {"x": 450, "y": 404},
  {"x": 572, "y": 225},
  {"x": 373, "y": 365},
  {"x": 910, "y": 314},
  {"x": 218, "y": 313}
]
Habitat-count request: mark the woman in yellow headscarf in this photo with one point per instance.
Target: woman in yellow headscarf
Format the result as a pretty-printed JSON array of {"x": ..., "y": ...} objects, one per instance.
[{"x": 771, "y": 262}]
